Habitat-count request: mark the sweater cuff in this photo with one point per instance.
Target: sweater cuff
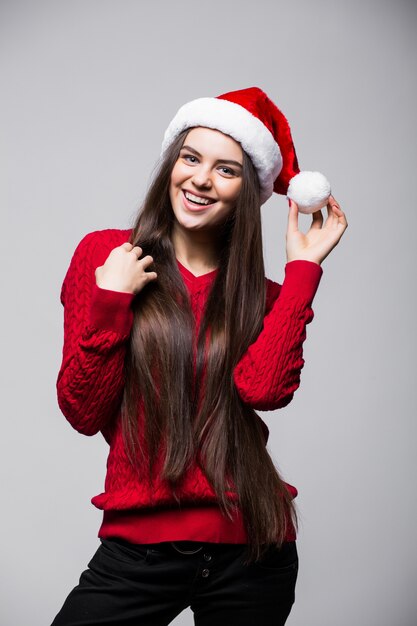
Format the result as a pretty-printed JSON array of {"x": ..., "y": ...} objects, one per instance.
[
  {"x": 111, "y": 310},
  {"x": 302, "y": 279}
]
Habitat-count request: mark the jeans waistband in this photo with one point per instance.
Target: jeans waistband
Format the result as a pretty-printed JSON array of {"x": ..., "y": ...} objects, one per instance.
[{"x": 187, "y": 547}]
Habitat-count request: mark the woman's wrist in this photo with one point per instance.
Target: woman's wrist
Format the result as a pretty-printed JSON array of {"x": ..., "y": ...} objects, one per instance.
[
  {"x": 289, "y": 260},
  {"x": 111, "y": 310},
  {"x": 301, "y": 279}
]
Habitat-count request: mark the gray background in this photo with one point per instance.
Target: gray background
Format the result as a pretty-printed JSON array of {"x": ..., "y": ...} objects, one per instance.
[{"x": 88, "y": 89}]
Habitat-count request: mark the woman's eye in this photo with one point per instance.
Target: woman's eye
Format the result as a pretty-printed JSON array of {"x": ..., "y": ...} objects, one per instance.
[
  {"x": 190, "y": 157},
  {"x": 227, "y": 170}
]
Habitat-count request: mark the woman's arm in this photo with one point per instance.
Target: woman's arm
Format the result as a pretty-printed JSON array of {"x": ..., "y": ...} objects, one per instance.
[
  {"x": 97, "y": 325},
  {"x": 268, "y": 374}
]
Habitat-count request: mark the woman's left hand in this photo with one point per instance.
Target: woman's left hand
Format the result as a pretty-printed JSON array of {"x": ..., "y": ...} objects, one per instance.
[{"x": 320, "y": 240}]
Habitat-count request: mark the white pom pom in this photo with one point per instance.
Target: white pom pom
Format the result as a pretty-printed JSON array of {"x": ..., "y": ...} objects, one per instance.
[{"x": 309, "y": 190}]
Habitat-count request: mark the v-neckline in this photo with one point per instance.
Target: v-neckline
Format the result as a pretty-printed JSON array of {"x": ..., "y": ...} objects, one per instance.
[{"x": 196, "y": 279}]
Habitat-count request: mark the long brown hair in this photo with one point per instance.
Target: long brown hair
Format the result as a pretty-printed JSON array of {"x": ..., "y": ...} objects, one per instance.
[{"x": 202, "y": 419}]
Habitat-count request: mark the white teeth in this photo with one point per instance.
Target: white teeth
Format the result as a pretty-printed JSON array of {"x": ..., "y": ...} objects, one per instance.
[{"x": 190, "y": 196}]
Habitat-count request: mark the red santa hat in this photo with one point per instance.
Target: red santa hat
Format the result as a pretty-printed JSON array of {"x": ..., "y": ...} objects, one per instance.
[{"x": 252, "y": 119}]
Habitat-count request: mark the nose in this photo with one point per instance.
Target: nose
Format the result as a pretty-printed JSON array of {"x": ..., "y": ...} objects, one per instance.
[{"x": 202, "y": 177}]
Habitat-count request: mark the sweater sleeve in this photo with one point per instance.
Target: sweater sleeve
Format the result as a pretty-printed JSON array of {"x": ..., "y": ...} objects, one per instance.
[
  {"x": 268, "y": 374},
  {"x": 97, "y": 324}
]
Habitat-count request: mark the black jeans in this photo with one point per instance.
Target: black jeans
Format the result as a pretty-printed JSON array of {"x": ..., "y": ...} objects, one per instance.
[{"x": 150, "y": 584}]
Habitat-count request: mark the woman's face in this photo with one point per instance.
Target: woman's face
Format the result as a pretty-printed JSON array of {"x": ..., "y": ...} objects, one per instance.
[{"x": 206, "y": 179}]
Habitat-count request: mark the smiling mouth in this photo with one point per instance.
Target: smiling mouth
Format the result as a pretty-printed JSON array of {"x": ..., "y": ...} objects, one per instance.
[{"x": 197, "y": 200}]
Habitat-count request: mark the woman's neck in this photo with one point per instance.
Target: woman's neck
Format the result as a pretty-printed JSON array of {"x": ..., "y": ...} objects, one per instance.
[{"x": 196, "y": 251}]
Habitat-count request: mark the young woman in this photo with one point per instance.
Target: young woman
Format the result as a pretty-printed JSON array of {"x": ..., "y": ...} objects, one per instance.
[{"x": 173, "y": 338}]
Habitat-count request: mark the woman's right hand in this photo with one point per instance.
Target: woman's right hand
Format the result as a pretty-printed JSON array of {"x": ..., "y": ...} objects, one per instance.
[{"x": 124, "y": 270}]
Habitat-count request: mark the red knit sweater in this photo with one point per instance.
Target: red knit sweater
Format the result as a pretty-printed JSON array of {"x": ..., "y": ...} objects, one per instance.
[{"x": 97, "y": 324}]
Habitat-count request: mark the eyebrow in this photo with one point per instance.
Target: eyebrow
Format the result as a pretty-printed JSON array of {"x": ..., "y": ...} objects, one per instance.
[{"x": 230, "y": 161}]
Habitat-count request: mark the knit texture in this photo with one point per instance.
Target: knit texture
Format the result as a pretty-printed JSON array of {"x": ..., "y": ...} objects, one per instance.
[{"x": 97, "y": 325}]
